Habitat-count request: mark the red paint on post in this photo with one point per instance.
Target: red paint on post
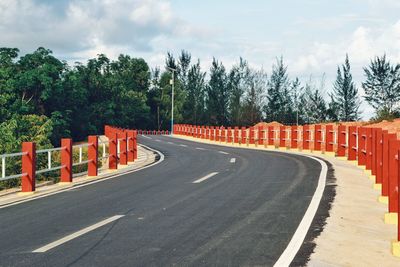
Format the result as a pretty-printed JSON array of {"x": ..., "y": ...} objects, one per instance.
[
  {"x": 251, "y": 139},
  {"x": 123, "y": 159},
  {"x": 135, "y": 149},
  {"x": 362, "y": 146},
  {"x": 282, "y": 136},
  {"x": 379, "y": 155},
  {"x": 93, "y": 155},
  {"x": 236, "y": 135},
  {"x": 112, "y": 152},
  {"x": 131, "y": 148},
  {"x": 212, "y": 133},
  {"x": 271, "y": 135},
  {"x": 329, "y": 137},
  {"x": 28, "y": 179},
  {"x": 229, "y": 140},
  {"x": 368, "y": 148},
  {"x": 243, "y": 135},
  {"x": 317, "y": 137},
  {"x": 306, "y": 137},
  {"x": 341, "y": 141},
  {"x": 293, "y": 137},
  {"x": 66, "y": 160},
  {"x": 352, "y": 148},
  {"x": 393, "y": 174}
]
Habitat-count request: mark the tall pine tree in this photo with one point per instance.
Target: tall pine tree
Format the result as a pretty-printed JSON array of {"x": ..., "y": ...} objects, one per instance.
[{"x": 345, "y": 102}]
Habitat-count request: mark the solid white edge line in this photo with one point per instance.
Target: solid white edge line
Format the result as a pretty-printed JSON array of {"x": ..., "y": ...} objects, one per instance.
[
  {"x": 77, "y": 234},
  {"x": 93, "y": 182},
  {"x": 233, "y": 160},
  {"x": 205, "y": 177},
  {"x": 295, "y": 243}
]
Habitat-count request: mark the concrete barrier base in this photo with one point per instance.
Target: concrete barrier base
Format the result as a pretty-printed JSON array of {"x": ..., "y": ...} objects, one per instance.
[
  {"x": 396, "y": 248},
  {"x": 377, "y": 187},
  {"x": 25, "y": 193},
  {"x": 390, "y": 218},
  {"x": 383, "y": 200}
]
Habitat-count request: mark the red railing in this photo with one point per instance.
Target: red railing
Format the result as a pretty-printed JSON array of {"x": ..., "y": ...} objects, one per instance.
[{"x": 373, "y": 149}]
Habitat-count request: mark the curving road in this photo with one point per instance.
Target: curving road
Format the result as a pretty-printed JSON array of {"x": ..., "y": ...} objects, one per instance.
[{"x": 203, "y": 205}]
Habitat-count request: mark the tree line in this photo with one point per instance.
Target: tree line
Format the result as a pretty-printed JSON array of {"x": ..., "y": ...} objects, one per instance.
[{"x": 43, "y": 98}]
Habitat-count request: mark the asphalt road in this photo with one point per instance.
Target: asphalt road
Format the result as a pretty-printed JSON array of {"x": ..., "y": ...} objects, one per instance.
[{"x": 243, "y": 215}]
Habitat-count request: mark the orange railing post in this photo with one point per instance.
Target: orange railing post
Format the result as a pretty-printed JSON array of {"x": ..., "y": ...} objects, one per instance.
[
  {"x": 112, "y": 151},
  {"x": 93, "y": 155},
  {"x": 66, "y": 160},
  {"x": 28, "y": 180}
]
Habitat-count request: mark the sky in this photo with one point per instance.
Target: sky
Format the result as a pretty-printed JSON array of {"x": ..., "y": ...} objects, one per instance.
[{"x": 312, "y": 36}]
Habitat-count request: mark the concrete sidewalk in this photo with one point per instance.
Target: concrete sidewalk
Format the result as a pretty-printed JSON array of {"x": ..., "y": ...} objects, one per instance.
[
  {"x": 355, "y": 233},
  {"x": 13, "y": 196}
]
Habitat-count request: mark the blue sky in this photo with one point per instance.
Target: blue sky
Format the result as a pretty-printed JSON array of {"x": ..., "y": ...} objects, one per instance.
[{"x": 312, "y": 36}]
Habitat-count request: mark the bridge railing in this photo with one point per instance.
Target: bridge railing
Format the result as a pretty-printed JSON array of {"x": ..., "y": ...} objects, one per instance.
[
  {"x": 65, "y": 162},
  {"x": 371, "y": 148}
]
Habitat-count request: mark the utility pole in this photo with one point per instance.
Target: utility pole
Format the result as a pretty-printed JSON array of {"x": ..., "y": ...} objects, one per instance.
[{"x": 172, "y": 83}]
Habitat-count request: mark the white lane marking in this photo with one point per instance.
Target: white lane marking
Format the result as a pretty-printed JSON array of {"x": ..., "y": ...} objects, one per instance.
[
  {"x": 205, "y": 177},
  {"x": 200, "y": 148},
  {"x": 223, "y": 152},
  {"x": 170, "y": 143},
  {"x": 233, "y": 160},
  {"x": 158, "y": 140},
  {"x": 146, "y": 137},
  {"x": 183, "y": 145},
  {"x": 162, "y": 157},
  {"x": 298, "y": 238},
  {"x": 76, "y": 234}
]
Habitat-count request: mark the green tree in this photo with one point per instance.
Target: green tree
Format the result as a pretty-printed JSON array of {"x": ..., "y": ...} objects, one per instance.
[
  {"x": 382, "y": 85},
  {"x": 194, "y": 106},
  {"x": 345, "y": 102},
  {"x": 218, "y": 95}
]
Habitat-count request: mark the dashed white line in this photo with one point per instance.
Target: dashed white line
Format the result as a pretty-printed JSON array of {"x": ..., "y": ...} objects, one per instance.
[
  {"x": 170, "y": 143},
  {"x": 200, "y": 148},
  {"x": 183, "y": 145},
  {"x": 146, "y": 137},
  {"x": 158, "y": 140},
  {"x": 233, "y": 160},
  {"x": 223, "y": 152},
  {"x": 76, "y": 234},
  {"x": 205, "y": 177}
]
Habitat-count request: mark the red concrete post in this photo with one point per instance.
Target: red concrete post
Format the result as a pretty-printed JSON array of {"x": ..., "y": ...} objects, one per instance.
[
  {"x": 93, "y": 151},
  {"x": 362, "y": 149},
  {"x": 373, "y": 152},
  {"x": 393, "y": 174},
  {"x": 212, "y": 133},
  {"x": 386, "y": 162},
  {"x": 28, "y": 179},
  {"x": 317, "y": 137},
  {"x": 398, "y": 196},
  {"x": 223, "y": 134},
  {"x": 259, "y": 135},
  {"x": 123, "y": 159},
  {"x": 251, "y": 136},
  {"x": 352, "y": 143},
  {"x": 131, "y": 148},
  {"x": 66, "y": 160},
  {"x": 229, "y": 137},
  {"x": 203, "y": 132},
  {"x": 306, "y": 137},
  {"x": 293, "y": 137},
  {"x": 236, "y": 135},
  {"x": 329, "y": 137},
  {"x": 112, "y": 152},
  {"x": 207, "y": 132},
  {"x": 135, "y": 149},
  {"x": 217, "y": 134},
  {"x": 243, "y": 136},
  {"x": 341, "y": 141},
  {"x": 282, "y": 136},
  {"x": 368, "y": 148},
  {"x": 379, "y": 155},
  {"x": 271, "y": 135}
]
